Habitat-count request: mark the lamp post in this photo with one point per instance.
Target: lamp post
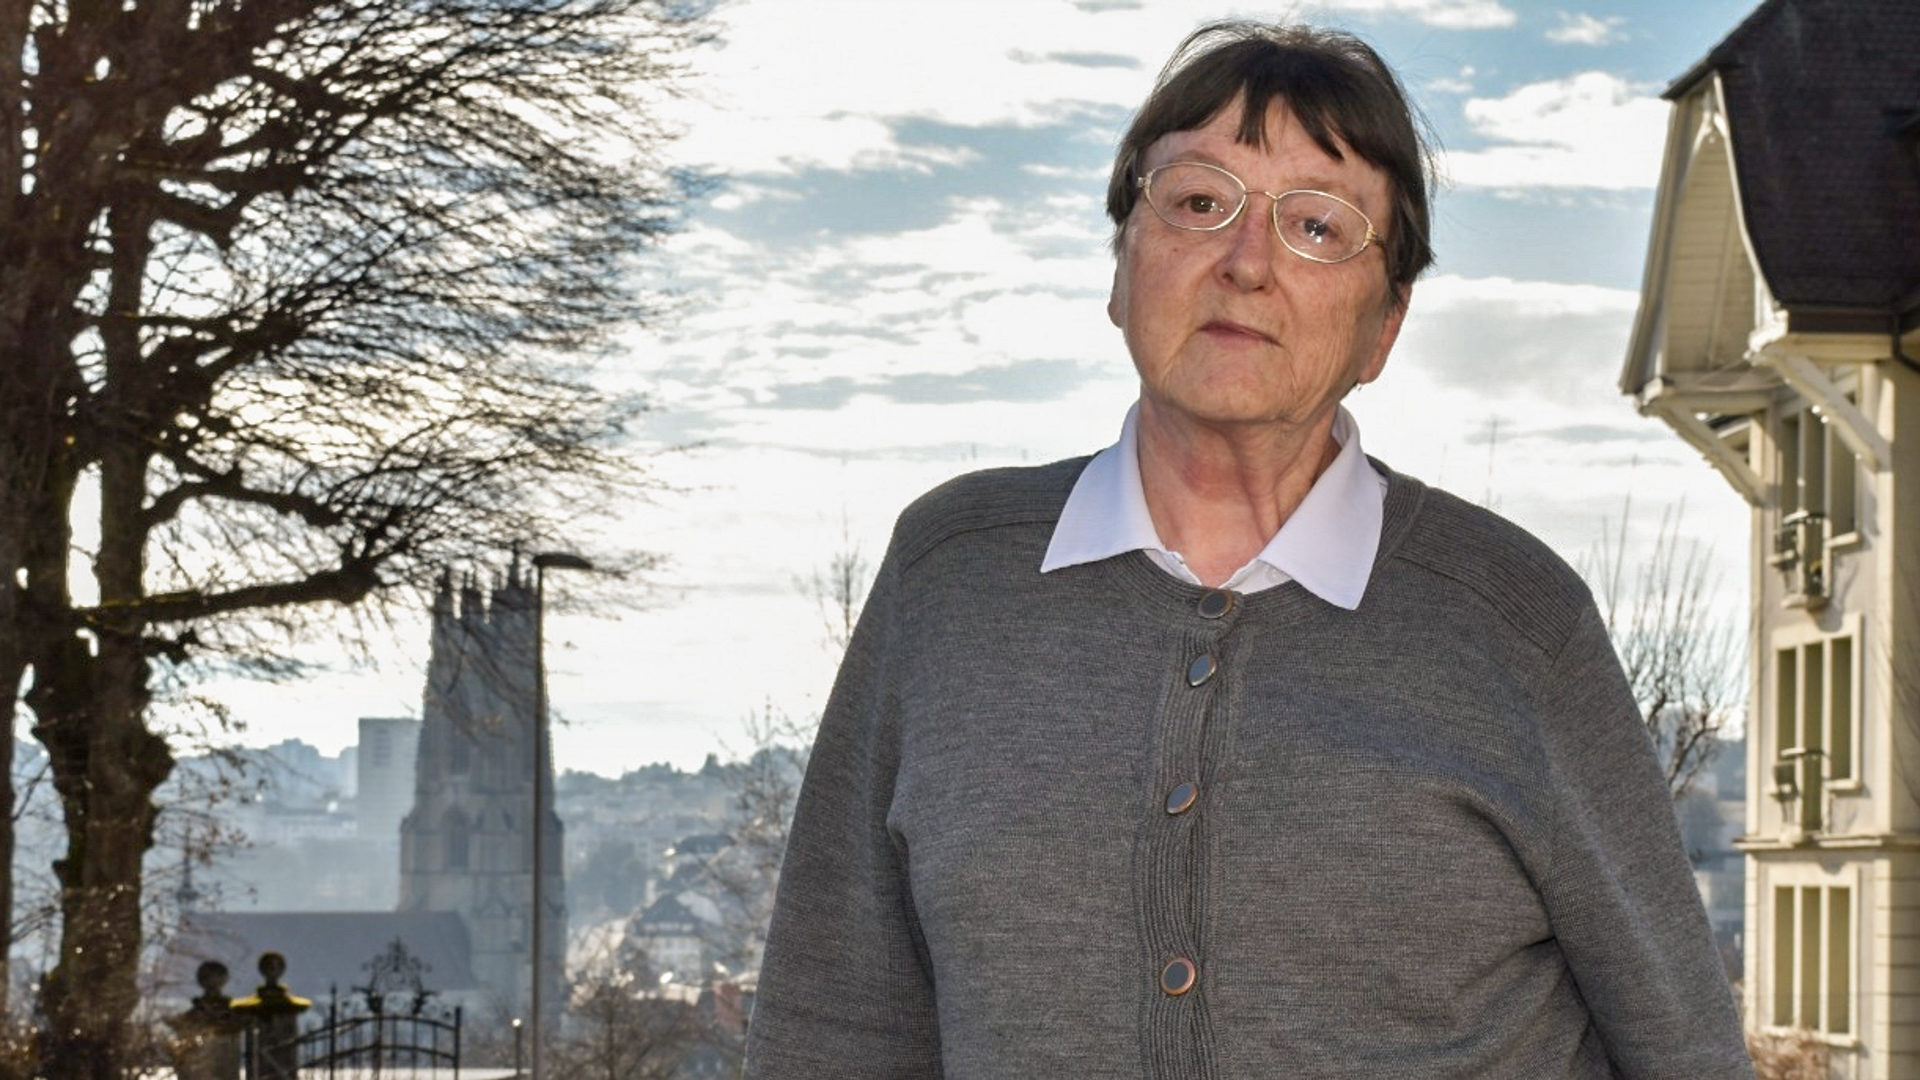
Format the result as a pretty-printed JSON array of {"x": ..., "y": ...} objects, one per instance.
[{"x": 542, "y": 562}]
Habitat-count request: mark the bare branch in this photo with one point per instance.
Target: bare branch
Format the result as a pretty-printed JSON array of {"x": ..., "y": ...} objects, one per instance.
[{"x": 1680, "y": 659}]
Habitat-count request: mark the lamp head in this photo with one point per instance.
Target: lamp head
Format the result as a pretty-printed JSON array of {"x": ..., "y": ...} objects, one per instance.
[{"x": 560, "y": 560}]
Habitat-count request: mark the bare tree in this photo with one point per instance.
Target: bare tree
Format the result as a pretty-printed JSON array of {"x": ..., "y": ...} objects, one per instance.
[
  {"x": 620, "y": 1026},
  {"x": 838, "y": 589},
  {"x": 295, "y": 301},
  {"x": 1680, "y": 657},
  {"x": 742, "y": 877}
]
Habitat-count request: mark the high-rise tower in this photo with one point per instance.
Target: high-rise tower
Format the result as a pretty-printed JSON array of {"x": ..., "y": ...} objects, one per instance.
[{"x": 466, "y": 846}]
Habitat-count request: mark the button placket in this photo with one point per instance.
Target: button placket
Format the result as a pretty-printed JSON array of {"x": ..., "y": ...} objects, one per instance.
[
  {"x": 1174, "y": 890},
  {"x": 1213, "y": 605}
]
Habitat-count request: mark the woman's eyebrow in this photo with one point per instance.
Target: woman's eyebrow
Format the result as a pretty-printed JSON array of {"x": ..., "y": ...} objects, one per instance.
[{"x": 1311, "y": 181}]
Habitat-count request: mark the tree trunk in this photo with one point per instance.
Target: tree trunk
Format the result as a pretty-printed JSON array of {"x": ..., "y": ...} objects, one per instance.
[
  {"x": 106, "y": 766},
  {"x": 46, "y": 261},
  {"x": 13, "y": 670},
  {"x": 13, "y": 680},
  {"x": 37, "y": 471}
]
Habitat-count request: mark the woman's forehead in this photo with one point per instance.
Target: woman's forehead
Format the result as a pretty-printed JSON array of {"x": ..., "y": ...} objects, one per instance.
[
  {"x": 1286, "y": 147},
  {"x": 1279, "y": 125}
]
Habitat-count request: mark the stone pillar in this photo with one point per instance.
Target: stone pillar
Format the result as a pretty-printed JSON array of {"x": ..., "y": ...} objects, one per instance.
[
  {"x": 208, "y": 1044},
  {"x": 274, "y": 1014}
]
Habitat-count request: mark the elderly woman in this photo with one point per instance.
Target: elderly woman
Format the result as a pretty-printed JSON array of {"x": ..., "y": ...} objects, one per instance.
[{"x": 1229, "y": 752}]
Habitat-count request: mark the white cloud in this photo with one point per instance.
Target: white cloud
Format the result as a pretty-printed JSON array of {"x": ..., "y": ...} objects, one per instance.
[
  {"x": 1580, "y": 28},
  {"x": 935, "y": 60},
  {"x": 1453, "y": 84},
  {"x": 1445, "y": 14},
  {"x": 792, "y": 143},
  {"x": 1539, "y": 299},
  {"x": 1511, "y": 341},
  {"x": 738, "y": 194},
  {"x": 829, "y": 78},
  {"x": 1062, "y": 172},
  {"x": 1591, "y": 130}
]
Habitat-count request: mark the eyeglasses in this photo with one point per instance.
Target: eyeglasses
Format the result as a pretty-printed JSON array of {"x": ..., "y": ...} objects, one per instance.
[{"x": 1206, "y": 198}]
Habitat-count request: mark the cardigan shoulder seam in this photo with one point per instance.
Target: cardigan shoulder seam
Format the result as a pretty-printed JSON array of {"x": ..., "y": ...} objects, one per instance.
[
  {"x": 1516, "y": 575},
  {"x": 984, "y": 500}
]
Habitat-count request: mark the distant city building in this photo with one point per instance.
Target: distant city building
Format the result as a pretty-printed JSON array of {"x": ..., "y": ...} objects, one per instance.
[
  {"x": 280, "y": 834},
  {"x": 1713, "y": 816},
  {"x": 466, "y": 847},
  {"x": 692, "y": 852},
  {"x": 384, "y": 767},
  {"x": 675, "y": 931},
  {"x": 1777, "y": 333}
]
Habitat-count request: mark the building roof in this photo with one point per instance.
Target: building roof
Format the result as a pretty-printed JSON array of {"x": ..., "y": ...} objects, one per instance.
[
  {"x": 677, "y": 913},
  {"x": 707, "y": 843},
  {"x": 1823, "y": 103},
  {"x": 324, "y": 949}
]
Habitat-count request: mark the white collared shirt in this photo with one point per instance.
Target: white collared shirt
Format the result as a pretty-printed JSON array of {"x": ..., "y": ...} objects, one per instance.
[{"x": 1327, "y": 545}]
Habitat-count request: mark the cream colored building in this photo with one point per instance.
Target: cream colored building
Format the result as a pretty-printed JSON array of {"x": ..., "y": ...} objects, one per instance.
[{"x": 1779, "y": 318}]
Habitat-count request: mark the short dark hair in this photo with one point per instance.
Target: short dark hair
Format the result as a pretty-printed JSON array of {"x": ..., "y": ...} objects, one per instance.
[{"x": 1336, "y": 86}]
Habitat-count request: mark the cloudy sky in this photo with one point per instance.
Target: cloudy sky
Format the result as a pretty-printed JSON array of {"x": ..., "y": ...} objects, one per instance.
[{"x": 903, "y": 276}]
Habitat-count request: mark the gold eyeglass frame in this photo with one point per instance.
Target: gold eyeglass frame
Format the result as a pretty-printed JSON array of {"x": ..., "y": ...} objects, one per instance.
[{"x": 1145, "y": 184}]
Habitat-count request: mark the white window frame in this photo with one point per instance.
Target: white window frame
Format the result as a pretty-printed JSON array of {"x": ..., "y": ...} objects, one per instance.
[
  {"x": 1788, "y": 483},
  {"x": 1796, "y": 638},
  {"x": 1801, "y": 878}
]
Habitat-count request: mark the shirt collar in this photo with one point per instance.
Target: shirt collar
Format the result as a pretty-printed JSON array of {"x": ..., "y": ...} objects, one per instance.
[{"x": 1327, "y": 545}]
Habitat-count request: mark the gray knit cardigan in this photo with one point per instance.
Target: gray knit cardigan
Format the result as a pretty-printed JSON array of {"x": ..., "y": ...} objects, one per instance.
[{"x": 1430, "y": 838}]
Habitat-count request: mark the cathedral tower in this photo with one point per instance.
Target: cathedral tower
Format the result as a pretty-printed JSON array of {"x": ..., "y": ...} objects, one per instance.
[{"x": 466, "y": 847}]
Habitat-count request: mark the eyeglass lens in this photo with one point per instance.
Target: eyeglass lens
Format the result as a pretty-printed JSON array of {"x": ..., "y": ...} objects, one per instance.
[{"x": 1313, "y": 225}]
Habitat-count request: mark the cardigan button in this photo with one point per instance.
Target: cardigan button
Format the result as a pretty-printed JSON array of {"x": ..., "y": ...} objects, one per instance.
[
  {"x": 1182, "y": 798},
  {"x": 1215, "y": 604},
  {"x": 1201, "y": 669},
  {"x": 1178, "y": 977}
]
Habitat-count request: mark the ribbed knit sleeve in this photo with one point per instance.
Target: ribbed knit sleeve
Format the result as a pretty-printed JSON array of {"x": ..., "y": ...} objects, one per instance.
[
  {"x": 845, "y": 991},
  {"x": 1619, "y": 892}
]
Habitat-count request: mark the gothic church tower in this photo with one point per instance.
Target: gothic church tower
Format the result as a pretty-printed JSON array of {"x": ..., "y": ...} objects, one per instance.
[{"x": 466, "y": 847}]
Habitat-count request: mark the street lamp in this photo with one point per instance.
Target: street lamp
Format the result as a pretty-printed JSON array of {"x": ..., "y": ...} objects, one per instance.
[{"x": 542, "y": 562}]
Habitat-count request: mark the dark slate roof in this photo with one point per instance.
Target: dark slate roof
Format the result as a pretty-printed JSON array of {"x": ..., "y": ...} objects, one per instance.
[
  {"x": 1823, "y": 99},
  {"x": 702, "y": 844},
  {"x": 323, "y": 948},
  {"x": 670, "y": 915}
]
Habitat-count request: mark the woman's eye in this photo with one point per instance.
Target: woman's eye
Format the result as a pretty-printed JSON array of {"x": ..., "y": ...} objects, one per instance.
[{"x": 1315, "y": 230}]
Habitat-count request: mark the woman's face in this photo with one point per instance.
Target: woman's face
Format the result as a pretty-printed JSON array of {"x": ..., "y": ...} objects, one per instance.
[{"x": 1230, "y": 327}]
